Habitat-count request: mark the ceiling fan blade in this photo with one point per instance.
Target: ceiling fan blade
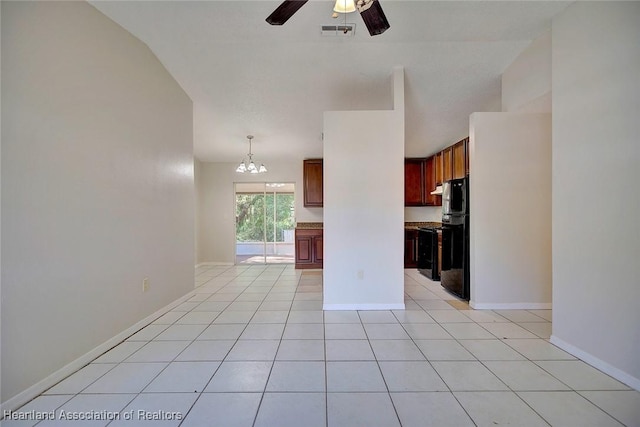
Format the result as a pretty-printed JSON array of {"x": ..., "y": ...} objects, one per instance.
[
  {"x": 373, "y": 16},
  {"x": 285, "y": 11}
]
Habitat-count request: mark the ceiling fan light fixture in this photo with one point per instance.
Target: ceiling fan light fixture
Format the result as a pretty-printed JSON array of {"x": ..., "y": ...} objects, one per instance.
[
  {"x": 344, "y": 6},
  {"x": 364, "y": 5},
  {"x": 370, "y": 11}
]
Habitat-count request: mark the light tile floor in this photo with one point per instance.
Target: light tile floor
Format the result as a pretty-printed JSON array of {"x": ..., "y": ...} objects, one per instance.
[{"x": 254, "y": 348}]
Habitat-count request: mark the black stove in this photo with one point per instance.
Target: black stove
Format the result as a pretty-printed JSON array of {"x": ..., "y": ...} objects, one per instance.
[{"x": 428, "y": 252}]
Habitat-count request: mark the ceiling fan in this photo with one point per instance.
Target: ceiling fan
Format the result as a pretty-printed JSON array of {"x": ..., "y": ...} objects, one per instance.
[{"x": 370, "y": 10}]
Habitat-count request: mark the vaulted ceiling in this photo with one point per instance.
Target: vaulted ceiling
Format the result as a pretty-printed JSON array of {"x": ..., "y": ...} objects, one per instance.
[{"x": 247, "y": 77}]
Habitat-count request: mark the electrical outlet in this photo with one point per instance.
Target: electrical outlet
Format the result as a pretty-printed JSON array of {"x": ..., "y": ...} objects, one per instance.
[
  {"x": 145, "y": 284},
  {"x": 360, "y": 274}
]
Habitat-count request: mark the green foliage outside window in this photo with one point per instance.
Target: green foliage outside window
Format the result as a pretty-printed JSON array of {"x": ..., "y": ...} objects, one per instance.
[{"x": 250, "y": 216}]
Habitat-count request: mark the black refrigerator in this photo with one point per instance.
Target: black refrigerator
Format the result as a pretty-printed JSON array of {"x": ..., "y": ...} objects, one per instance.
[{"x": 454, "y": 275}]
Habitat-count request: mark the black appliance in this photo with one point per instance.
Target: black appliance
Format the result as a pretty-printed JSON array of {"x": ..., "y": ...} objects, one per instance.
[
  {"x": 454, "y": 275},
  {"x": 428, "y": 252}
]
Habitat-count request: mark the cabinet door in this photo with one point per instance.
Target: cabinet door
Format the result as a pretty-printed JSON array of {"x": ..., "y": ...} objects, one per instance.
[
  {"x": 308, "y": 248},
  {"x": 447, "y": 166},
  {"x": 312, "y": 183},
  {"x": 459, "y": 159},
  {"x": 430, "y": 182},
  {"x": 438, "y": 168},
  {"x": 303, "y": 249},
  {"x": 317, "y": 250},
  {"x": 410, "y": 248},
  {"x": 466, "y": 156},
  {"x": 414, "y": 182}
]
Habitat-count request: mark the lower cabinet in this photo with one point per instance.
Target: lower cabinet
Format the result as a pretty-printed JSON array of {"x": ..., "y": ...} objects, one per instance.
[
  {"x": 308, "y": 248},
  {"x": 410, "y": 248}
]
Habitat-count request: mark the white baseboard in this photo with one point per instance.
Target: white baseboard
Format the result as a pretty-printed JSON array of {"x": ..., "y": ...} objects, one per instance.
[
  {"x": 597, "y": 363},
  {"x": 510, "y": 306},
  {"x": 331, "y": 307},
  {"x": 212, "y": 264},
  {"x": 62, "y": 373}
]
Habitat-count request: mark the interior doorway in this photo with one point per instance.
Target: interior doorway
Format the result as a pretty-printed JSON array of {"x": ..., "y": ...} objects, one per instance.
[{"x": 265, "y": 222}]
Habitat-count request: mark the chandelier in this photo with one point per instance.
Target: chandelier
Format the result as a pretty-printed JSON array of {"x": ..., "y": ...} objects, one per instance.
[{"x": 250, "y": 167}]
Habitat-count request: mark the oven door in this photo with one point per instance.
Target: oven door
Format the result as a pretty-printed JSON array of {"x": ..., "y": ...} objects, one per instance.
[{"x": 427, "y": 253}]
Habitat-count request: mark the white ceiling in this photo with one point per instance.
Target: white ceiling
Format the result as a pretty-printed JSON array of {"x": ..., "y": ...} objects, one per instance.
[{"x": 247, "y": 77}]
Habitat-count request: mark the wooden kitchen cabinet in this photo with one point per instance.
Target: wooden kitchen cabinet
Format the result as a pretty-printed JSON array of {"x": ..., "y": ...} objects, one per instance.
[
  {"x": 459, "y": 159},
  {"x": 414, "y": 182},
  {"x": 317, "y": 250},
  {"x": 312, "y": 183},
  {"x": 466, "y": 156},
  {"x": 410, "y": 248},
  {"x": 438, "y": 167},
  {"x": 308, "y": 248},
  {"x": 447, "y": 164},
  {"x": 430, "y": 182},
  {"x": 419, "y": 182}
]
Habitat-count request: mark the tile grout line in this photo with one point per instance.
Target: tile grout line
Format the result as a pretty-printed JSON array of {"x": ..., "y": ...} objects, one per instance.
[
  {"x": 599, "y": 407},
  {"x": 79, "y": 393},
  {"x": 431, "y": 364},
  {"x": 516, "y": 392},
  {"x": 273, "y": 363},
  {"x": 215, "y": 371},
  {"x": 241, "y": 289},
  {"x": 384, "y": 380},
  {"x": 223, "y": 360},
  {"x": 486, "y": 367}
]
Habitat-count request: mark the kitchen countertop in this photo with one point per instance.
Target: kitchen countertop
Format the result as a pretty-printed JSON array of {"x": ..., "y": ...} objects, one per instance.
[
  {"x": 407, "y": 225},
  {"x": 417, "y": 225},
  {"x": 309, "y": 225}
]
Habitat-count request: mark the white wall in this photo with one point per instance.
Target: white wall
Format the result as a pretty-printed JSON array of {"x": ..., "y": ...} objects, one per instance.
[
  {"x": 510, "y": 186},
  {"x": 363, "y": 261},
  {"x": 215, "y": 188},
  {"x": 596, "y": 201},
  {"x": 0, "y": 209},
  {"x": 423, "y": 214},
  {"x": 363, "y": 210},
  {"x": 526, "y": 83},
  {"x": 197, "y": 170},
  {"x": 97, "y": 186}
]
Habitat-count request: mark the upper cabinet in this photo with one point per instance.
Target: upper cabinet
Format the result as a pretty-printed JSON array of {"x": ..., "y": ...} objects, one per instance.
[
  {"x": 414, "y": 182},
  {"x": 466, "y": 157},
  {"x": 452, "y": 162},
  {"x": 438, "y": 167},
  {"x": 419, "y": 182},
  {"x": 447, "y": 164},
  {"x": 431, "y": 181},
  {"x": 312, "y": 183},
  {"x": 421, "y": 176},
  {"x": 460, "y": 159}
]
